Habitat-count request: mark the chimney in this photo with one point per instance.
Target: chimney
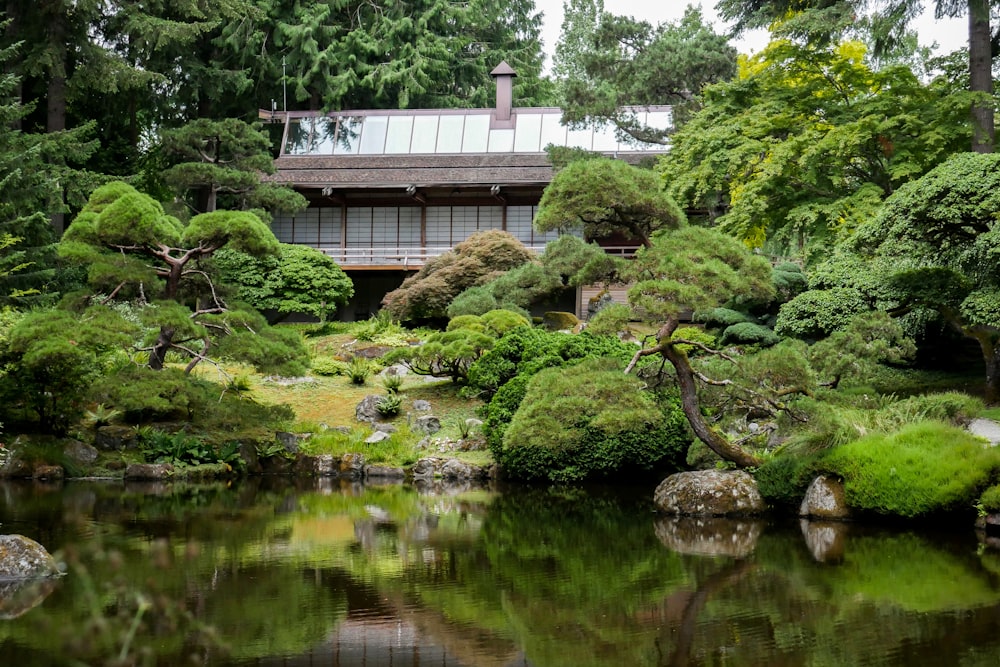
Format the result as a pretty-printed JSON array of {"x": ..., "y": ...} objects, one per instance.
[{"x": 504, "y": 75}]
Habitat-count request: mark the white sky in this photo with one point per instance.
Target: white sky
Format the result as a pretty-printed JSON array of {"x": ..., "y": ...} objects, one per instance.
[{"x": 950, "y": 34}]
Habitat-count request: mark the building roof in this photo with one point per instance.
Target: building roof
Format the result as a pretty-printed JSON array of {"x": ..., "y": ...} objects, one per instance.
[{"x": 438, "y": 147}]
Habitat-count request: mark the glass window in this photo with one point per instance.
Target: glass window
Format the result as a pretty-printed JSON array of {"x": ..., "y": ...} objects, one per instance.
[
  {"x": 373, "y": 135},
  {"x": 348, "y": 136},
  {"x": 297, "y": 142},
  {"x": 661, "y": 120},
  {"x": 397, "y": 139},
  {"x": 580, "y": 138},
  {"x": 527, "y": 133},
  {"x": 424, "y": 134},
  {"x": 501, "y": 141},
  {"x": 553, "y": 131},
  {"x": 476, "y": 137},
  {"x": 450, "y": 134},
  {"x": 324, "y": 132},
  {"x": 605, "y": 139}
]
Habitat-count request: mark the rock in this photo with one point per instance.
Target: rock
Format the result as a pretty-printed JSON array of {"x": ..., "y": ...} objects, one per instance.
[
  {"x": 427, "y": 424},
  {"x": 825, "y": 499},
  {"x": 291, "y": 441},
  {"x": 455, "y": 469},
  {"x": 367, "y": 409},
  {"x": 321, "y": 465},
  {"x": 80, "y": 452},
  {"x": 985, "y": 428},
  {"x": 352, "y": 466},
  {"x": 559, "y": 321},
  {"x": 149, "y": 471},
  {"x": 425, "y": 468},
  {"x": 826, "y": 540},
  {"x": 384, "y": 472},
  {"x": 385, "y": 428},
  {"x": 421, "y": 406},
  {"x": 709, "y": 493},
  {"x": 377, "y": 437},
  {"x": 49, "y": 473},
  {"x": 16, "y": 468},
  {"x": 473, "y": 424},
  {"x": 115, "y": 438},
  {"x": 23, "y": 558},
  {"x": 248, "y": 452},
  {"x": 709, "y": 536},
  {"x": 398, "y": 370}
]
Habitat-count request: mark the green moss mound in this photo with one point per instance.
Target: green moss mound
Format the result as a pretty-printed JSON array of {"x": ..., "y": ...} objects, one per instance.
[
  {"x": 924, "y": 469},
  {"x": 590, "y": 420}
]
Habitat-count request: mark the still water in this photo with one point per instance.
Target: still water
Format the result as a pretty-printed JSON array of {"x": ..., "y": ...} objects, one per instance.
[{"x": 322, "y": 573}]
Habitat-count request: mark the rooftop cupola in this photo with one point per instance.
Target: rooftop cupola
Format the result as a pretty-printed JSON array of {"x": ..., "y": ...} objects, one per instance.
[{"x": 504, "y": 75}]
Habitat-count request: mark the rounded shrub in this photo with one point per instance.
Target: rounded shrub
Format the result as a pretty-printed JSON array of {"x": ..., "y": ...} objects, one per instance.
[
  {"x": 747, "y": 333},
  {"x": 721, "y": 317},
  {"x": 589, "y": 421},
  {"x": 990, "y": 500}
]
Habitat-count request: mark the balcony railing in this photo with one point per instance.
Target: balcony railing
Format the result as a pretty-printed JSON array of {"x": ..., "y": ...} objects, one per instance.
[{"x": 413, "y": 258}]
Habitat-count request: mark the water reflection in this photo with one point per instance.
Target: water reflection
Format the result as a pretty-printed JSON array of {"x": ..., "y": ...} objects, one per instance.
[{"x": 329, "y": 572}]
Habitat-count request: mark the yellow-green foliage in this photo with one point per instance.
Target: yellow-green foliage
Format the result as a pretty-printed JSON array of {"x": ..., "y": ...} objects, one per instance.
[
  {"x": 925, "y": 468},
  {"x": 990, "y": 500}
]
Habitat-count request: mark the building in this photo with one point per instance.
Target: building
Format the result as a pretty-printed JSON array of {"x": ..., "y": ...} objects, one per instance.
[{"x": 389, "y": 189}]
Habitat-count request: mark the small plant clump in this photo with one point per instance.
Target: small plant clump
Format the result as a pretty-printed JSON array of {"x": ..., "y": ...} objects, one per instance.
[
  {"x": 359, "y": 370},
  {"x": 389, "y": 405}
]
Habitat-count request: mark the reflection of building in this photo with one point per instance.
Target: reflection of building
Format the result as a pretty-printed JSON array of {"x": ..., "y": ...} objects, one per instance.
[{"x": 389, "y": 189}]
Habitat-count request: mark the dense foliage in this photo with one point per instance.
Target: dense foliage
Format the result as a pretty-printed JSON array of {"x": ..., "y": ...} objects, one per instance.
[
  {"x": 426, "y": 295},
  {"x": 590, "y": 420}
]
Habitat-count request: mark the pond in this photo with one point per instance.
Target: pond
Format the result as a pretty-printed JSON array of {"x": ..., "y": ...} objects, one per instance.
[{"x": 276, "y": 572}]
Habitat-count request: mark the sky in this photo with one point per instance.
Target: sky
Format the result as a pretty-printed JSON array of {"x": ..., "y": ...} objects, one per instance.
[{"x": 950, "y": 34}]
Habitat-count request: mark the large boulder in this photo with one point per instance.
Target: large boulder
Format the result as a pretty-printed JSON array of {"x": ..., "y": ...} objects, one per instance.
[
  {"x": 23, "y": 558},
  {"x": 320, "y": 465},
  {"x": 115, "y": 438},
  {"x": 825, "y": 500},
  {"x": 150, "y": 472},
  {"x": 291, "y": 441},
  {"x": 367, "y": 409},
  {"x": 80, "y": 452},
  {"x": 428, "y": 424},
  {"x": 352, "y": 466},
  {"x": 709, "y": 493}
]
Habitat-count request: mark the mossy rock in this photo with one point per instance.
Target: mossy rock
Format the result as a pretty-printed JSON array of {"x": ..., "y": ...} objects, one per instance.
[{"x": 558, "y": 321}]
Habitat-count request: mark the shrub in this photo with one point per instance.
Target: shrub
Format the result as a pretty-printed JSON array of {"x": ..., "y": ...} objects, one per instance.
[
  {"x": 818, "y": 313},
  {"x": 783, "y": 479},
  {"x": 923, "y": 469},
  {"x": 499, "y": 321},
  {"x": 590, "y": 420},
  {"x": 990, "y": 500},
  {"x": 721, "y": 317},
  {"x": 610, "y": 320},
  {"x": 747, "y": 333},
  {"x": 358, "y": 370},
  {"x": 392, "y": 383},
  {"x": 328, "y": 366},
  {"x": 389, "y": 405}
]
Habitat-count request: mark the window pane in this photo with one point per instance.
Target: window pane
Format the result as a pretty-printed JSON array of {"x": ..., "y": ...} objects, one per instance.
[
  {"x": 580, "y": 138},
  {"x": 450, "y": 134},
  {"x": 527, "y": 133},
  {"x": 661, "y": 120},
  {"x": 552, "y": 131},
  {"x": 397, "y": 139},
  {"x": 373, "y": 135},
  {"x": 605, "y": 139},
  {"x": 348, "y": 136},
  {"x": 323, "y": 136},
  {"x": 298, "y": 136},
  {"x": 424, "y": 134},
  {"x": 477, "y": 129},
  {"x": 501, "y": 141}
]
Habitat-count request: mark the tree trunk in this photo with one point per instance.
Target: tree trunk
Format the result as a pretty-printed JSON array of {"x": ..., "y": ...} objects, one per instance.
[
  {"x": 158, "y": 355},
  {"x": 689, "y": 404},
  {"x": 991, "y": 357},
  {"x": 689, "y": 397},
  {"x": 981, "y": 75}
]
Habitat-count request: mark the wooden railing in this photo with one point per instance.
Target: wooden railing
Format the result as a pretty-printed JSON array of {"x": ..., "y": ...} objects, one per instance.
[{"x": 412, "y": 258}]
